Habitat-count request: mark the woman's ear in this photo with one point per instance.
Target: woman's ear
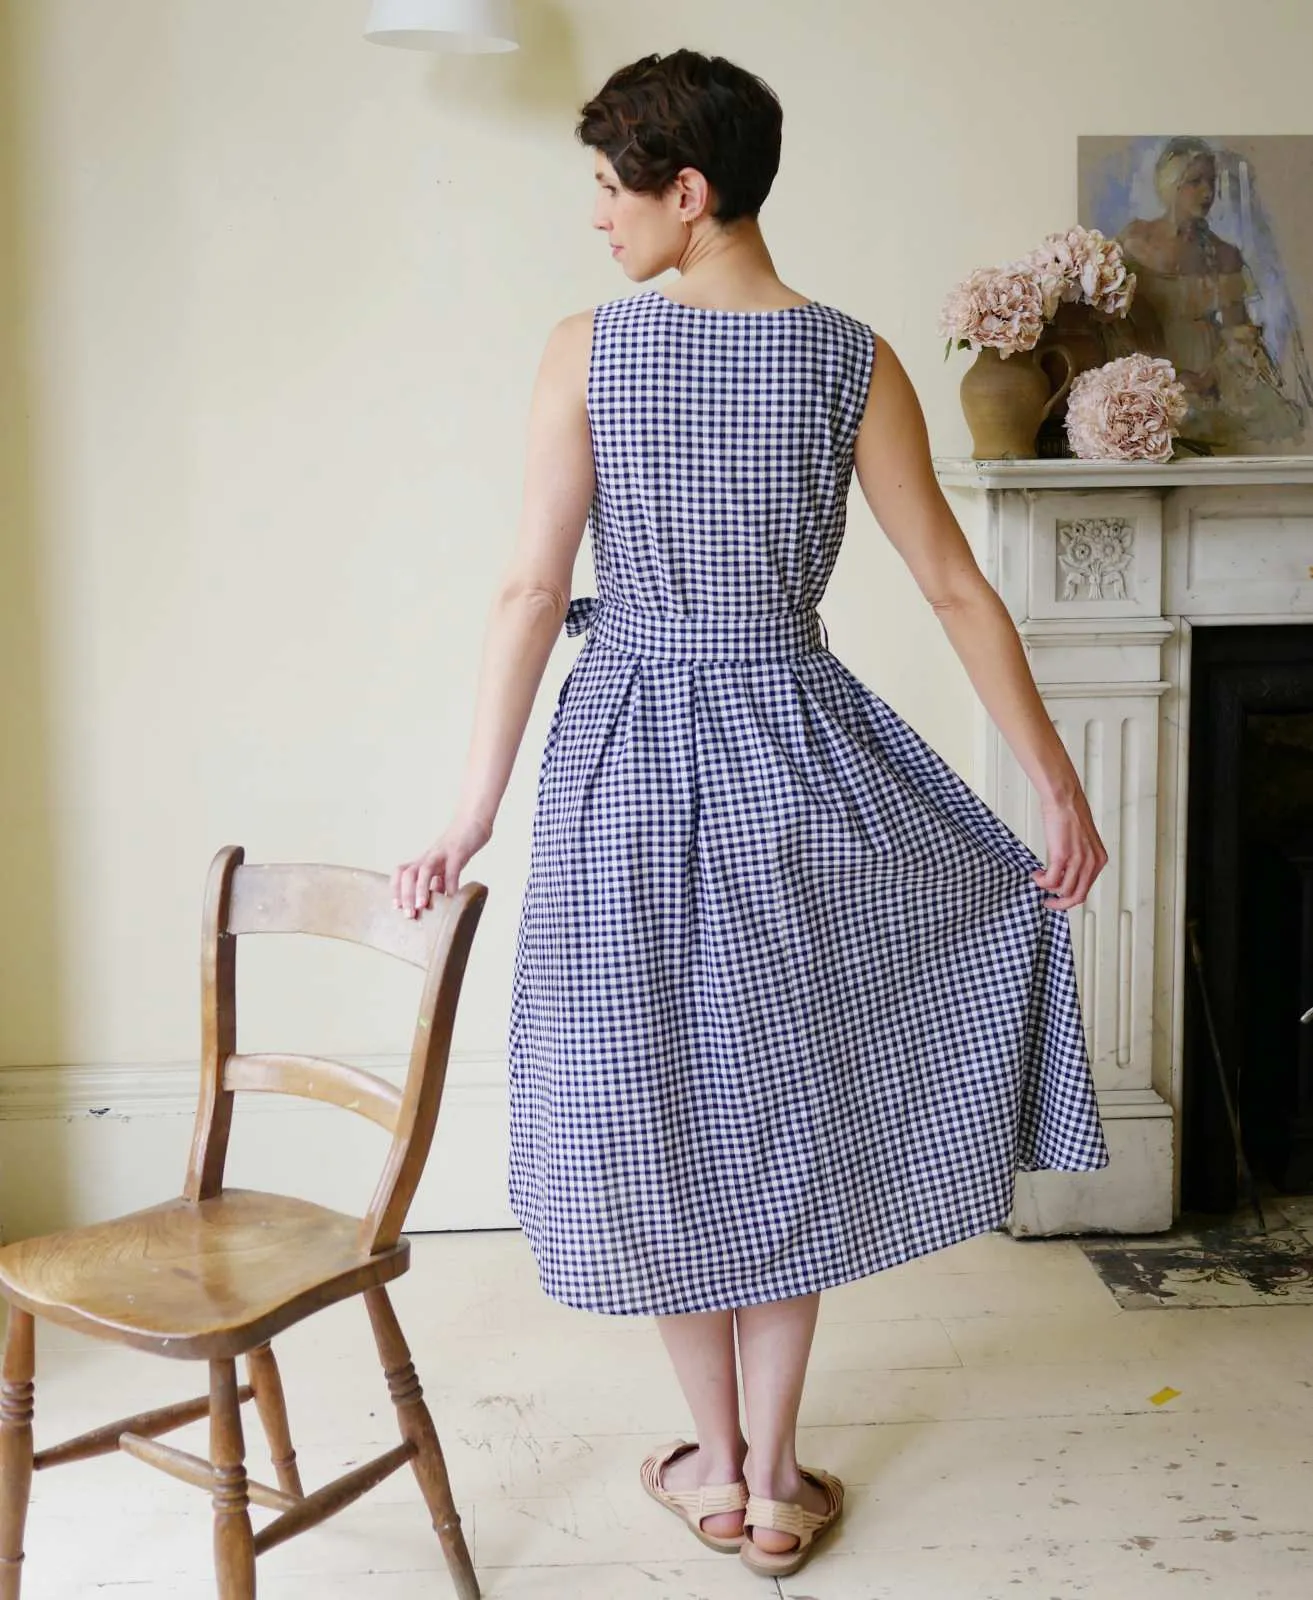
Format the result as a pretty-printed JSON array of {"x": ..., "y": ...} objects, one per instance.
[{"x": 694, "y": 194}]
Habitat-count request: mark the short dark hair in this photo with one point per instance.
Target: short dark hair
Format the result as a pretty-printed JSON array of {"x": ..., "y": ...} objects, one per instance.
[{"x": 664, "y": 113}]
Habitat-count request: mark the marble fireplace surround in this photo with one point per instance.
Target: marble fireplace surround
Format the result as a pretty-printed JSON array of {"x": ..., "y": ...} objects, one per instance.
[{"x": 1108, "y": 568}]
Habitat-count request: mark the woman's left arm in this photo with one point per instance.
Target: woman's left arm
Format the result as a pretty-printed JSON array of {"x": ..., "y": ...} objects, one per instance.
[{"x": 894, "y": 467}]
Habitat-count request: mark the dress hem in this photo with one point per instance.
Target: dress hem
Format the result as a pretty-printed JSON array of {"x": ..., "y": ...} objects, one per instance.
[{"x": 987, "y": 1220}]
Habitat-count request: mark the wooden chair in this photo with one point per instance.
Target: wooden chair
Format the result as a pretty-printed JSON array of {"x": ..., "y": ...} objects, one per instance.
[{"x": 216, "y": 1274}]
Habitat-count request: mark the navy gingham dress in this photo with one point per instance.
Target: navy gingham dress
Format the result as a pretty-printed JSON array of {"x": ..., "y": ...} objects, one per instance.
[{"x": 787, "y": 1006}]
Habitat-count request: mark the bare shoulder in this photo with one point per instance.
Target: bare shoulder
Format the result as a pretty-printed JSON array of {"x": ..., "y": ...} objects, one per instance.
[
  {"x": 576, "y": 326},
  {"x": 892, "y": 445},
  {"x": 1229, "y": 258},
  {"x": 568, "y": 351},
  {"x": 885, "y": 355},
  {"x": 1146, "y": 244},
  {"x": 890, "y": 385},
  {"x": 572, "y": 334}
]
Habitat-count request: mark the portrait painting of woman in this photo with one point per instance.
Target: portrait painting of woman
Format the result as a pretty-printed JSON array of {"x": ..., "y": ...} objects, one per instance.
[{"x": 1223, "y": 277}]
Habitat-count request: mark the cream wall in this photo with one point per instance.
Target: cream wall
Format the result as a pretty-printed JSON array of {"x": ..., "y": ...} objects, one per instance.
[{"x": 272, "y": 300}]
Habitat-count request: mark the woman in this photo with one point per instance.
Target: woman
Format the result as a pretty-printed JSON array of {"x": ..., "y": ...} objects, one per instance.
[
  {"x": 790, "y": 1004},
  {"x": 1200, "y": 286}
]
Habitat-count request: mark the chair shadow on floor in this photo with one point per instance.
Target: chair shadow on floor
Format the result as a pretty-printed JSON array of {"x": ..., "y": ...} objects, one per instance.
[{"x": 216, "y": 1274}]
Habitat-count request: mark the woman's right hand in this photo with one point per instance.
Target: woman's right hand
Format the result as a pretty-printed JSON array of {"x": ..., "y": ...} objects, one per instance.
[
  {"x": 438, "y": 870},
  {"x": 1075, "y": 851}
]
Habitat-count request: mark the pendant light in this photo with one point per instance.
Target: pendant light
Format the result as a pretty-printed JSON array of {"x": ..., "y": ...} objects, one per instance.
[{"x": 464, "y": 27}]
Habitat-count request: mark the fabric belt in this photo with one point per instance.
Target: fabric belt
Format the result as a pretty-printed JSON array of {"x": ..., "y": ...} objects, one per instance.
[{"x": 670, "y": 637}]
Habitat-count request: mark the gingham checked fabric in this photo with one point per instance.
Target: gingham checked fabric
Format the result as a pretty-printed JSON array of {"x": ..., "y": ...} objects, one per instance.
[{"x": 787, "y": 1007}]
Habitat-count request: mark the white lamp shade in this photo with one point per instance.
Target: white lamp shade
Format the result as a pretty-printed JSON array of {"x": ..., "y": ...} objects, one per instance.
[{"x": 467, "y": 27}]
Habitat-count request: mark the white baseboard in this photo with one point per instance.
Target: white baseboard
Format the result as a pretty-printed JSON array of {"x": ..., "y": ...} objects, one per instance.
[
  {"x": 1131, "y": 1195},
  {"x": 79, "y": 1143}
]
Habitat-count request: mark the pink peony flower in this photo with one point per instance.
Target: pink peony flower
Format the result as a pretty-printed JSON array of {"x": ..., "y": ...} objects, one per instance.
[
  {"x": 1081, "y": 264},
  {"x": 1128, "y": 410},
  {"x": 1001, "y": 308}
]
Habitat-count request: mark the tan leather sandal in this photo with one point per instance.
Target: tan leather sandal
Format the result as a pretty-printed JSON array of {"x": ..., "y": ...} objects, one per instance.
[
  {"x": 787, "y": 1516},
  {"x": 694, "y": 1506}
]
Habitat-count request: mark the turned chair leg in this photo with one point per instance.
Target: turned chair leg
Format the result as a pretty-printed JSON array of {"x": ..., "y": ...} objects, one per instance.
[
  {"x": 417, "y": 1429},
  {"x": 15, "y": 1448},
  {"x": 272, "y": 1406},
  {"x": 234, "y": 1547}
]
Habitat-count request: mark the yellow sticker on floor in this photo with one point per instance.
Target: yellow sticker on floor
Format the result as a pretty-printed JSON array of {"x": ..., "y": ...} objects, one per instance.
[{"x": 1163, "y": 1396}]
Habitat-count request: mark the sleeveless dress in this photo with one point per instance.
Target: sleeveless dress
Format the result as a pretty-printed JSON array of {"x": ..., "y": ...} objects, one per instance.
[{"x": 787, "y": 1007}]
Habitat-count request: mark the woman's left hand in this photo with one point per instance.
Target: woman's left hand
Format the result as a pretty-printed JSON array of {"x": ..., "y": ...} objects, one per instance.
[
  {"x": 438, "y": 870},
  {"x": 1076, "y": 853}
]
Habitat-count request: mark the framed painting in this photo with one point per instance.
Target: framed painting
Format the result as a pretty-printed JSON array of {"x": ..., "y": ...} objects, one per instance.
[{"x": 1219, "y": 233}]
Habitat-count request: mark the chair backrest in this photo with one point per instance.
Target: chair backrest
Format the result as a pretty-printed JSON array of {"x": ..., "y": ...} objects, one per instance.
[{"x": 334, "y": 903}]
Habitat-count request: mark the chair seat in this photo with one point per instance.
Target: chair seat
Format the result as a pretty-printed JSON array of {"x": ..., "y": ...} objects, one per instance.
[{"x": 203, "y": 1280}]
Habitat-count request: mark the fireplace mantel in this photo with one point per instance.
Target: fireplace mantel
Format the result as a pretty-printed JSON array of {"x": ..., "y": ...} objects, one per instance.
[
  {"x": 1107, "y": 568},
  {"x": 1190, "y": 472}
]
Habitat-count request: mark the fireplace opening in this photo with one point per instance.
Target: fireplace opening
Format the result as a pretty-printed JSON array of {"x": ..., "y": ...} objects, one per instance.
[{"x": 1249, "y": 901}]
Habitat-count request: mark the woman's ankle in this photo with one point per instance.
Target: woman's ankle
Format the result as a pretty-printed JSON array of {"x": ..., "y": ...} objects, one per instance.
[
  {"x": 721, "y": 1461},
  {"x": 772, "y": 1478}
]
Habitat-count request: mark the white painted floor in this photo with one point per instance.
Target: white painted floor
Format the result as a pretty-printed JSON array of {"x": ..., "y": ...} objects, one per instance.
[{"x": 989, "y": 1408}]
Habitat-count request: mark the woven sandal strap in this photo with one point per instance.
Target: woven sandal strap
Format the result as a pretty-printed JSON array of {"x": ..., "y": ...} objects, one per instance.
[
  {"x": 713, "y": 1500},
  {"x": 657, "y": 1463},
  {"x": 788, "y": 1516},
  {"x": 710, "y": 1500},
  {"x": 783, "y": 1516},
  {"x": 718, "y": 1498}
]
